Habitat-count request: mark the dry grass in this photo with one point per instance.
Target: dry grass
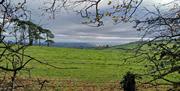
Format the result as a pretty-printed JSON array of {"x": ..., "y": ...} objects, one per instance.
[{"x": 70, "y": 85}]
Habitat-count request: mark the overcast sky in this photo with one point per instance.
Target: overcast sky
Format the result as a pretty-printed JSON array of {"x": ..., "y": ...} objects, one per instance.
[{"x": 67, "y": 27}]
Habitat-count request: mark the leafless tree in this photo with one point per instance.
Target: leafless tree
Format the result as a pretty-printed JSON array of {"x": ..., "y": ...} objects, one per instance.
[
  {"x": 14, "y": 16},
  {"x": 163, "y": 50},
  {"x": 92, "y": 11}
]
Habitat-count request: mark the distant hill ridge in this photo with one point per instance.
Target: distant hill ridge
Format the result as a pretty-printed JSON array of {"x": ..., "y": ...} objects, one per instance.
[{"x": 91, "y": 45}]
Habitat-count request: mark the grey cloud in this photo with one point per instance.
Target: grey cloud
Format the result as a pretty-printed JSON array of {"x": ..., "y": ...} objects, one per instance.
[{"x": 67, "y": 27}]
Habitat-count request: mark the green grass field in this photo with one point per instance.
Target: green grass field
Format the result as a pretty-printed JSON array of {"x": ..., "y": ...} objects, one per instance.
[
  {"x": 90, "y": 65},
  {"x": 84, "y": 69},
  {"x": 81, "y": 64}
]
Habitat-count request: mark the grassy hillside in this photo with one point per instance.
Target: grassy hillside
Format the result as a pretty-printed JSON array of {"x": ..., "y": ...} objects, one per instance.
[
  {"x": 83, "y": 64},
  {"x": 130, "y": 45}
]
